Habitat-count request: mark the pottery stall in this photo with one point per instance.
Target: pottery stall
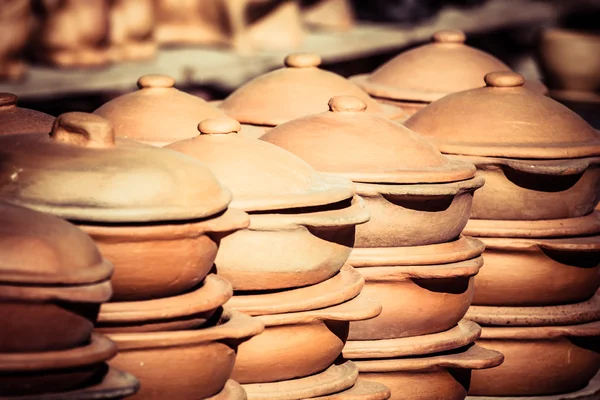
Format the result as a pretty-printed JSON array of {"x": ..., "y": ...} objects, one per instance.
[
  {"x": 159, "y": 217},
  {"x": 411, "y": 253},
  {"x": 53, "y": 281},
  {"x": 535, "y": 297},
  {"x": 416, "y": 77}
]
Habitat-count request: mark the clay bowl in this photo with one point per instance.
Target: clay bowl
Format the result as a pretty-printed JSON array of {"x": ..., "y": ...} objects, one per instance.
[
  {"x": 423, "y": 289},
  {"x": 54, "y": 371},
  {"x": 155, "y": 358},
  {"x": 187, "y": 311},
  {"x": 178, "y": 254},
  {"x": 538, "y": 263}
]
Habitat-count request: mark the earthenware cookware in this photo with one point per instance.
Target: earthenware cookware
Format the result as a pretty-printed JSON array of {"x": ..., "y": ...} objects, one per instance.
[
  {"x": 157, "y": 215},
  {"x": 537, "y": 263},
  {"x": 334, "y": 15},
  {"x": 539, "y": 159},
  {"x": 302, "y": 223},
  {"x": 15, "y": 119},
  {"x": 157, "y": 113},
  {"x": 54, "y": 371},
  {"x": 414, "y": 194},
  {"x": 131, "y": 33},
  {"x": 264, "y": 101},
  {"x": 15, "y": 27},
  {"x": 427, "y": 73},
  {"x": 52, "y": 282},
  {"x": 174, "y": 363}
]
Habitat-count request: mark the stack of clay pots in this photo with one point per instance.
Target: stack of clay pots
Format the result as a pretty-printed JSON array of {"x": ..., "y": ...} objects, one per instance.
[
  {"x": 411, "y": 253},
  {"x": 52, "y": 283},
  {"x": 535, "y": 297},
  {"x": 158, "y": 216}
]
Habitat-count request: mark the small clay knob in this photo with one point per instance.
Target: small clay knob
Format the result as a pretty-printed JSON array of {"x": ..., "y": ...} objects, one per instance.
[
  {"x": 346, "y": 103},
  {"x": 219, "y": 126},
  {"x": 8, "y": 99},
  {"x": 84, "y": 130},
  {"x": 302, "y": 60},
  {"x": 155, "y": 81},
  {"x": 504, "y": 79},
  {"x": 449, "y": 36}
]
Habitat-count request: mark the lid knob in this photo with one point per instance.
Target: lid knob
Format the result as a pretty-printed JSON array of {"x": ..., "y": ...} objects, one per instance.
[
  {"x": 449, "y": 36},
  {"x": 219, "y": 126},
  {"x": 155, "y": 81},
  {"x": 504, "y": 79},
  {"x": 8, "y": 99},
  {"x": 84, "y": 130},
  {"x": 302, "y": 60},
  {"x": 346, "y": 103}
]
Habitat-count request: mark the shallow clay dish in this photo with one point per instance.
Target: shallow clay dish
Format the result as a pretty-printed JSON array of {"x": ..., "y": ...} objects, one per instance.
[
  {"x": 155, "y": 357},
  {"x": 157, "y": 113},
  {"x": 529, "y": 148},
  {"x": 414, "y": 194},
  {"x": 52, "y": 282},
  {"x": 302, "y": 223},
  {"x": 15, "y": 120}
]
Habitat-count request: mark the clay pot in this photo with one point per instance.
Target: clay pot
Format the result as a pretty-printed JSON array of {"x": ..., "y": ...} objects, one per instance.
[
  {"x": 415, "y": 195},
  {"x": 148, "y": 209},
  {"x": 15, "y": 26},
  {"x": 537, "y": 263},
  {"x": 334, "y": 15},
  {"x": 555, "y": 174},
  {"x": 157, "y": 114},
  {"x": 54, "y": 371},
  {"x": 265, "y": 102},
  {"x": 131, "y": 30},
  {"x": 15, "y": 120},
  {"x": 429, "y": 72},
  {"x": 155, "y": 358},
  {"x": 302, "y": 224},
  {"x": 52, "y": 282}
]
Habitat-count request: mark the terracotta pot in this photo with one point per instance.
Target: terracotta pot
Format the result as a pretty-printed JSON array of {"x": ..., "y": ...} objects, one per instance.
[
  {"x": 432, "y": 71},
  {"x": 15, "y": 23},
  {"x": 14, "y": 120},
  {"x": 131, "y": 35},
  {"x": 157, "y": 114},
  {"x": 424, "y": 198},
  {"x": 335, "y": 15},
  {"x": 54, "y": 371},
  {"x": 231, "y": 391},
  {"x": 302, "y": 223},
  {"x": 155, "y": 357}
]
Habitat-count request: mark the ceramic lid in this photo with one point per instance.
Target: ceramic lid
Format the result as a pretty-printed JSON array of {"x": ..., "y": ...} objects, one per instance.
[
  {"x": 505, "y": 120},
  {"x": 366, "y": 147},
  {"x": 260, "y": 175},
  {"x": 298, "y": 89},
  {"x": 430, "y": 72},
  {"x": 16, "y": 120},
  {"x": 80, "y": 172},
  {"x": 158, "y": 113}
]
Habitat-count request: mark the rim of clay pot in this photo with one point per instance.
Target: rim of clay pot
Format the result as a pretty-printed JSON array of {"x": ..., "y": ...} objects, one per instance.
[
  {"x": 362, "y": 390},
  {"x": 436, "y": 189},
  {"x": 463, "y": 334},
  {"x": 505, "y": 120},
  {"x": 573, "y": 244},
  {"x": 461, "y": 249},
  {"x": 557, "y": 167},
  {"x": 98, "y": 350},
  {"x": 93, "y": 293},
  {"x": 262, "y": 176},
  {"x": 546, "y": 228},
  {"x": 231, "y": 391},
  {"x": 17, "y": 120},
  {"x": 214, "y": 292},
  {"x": 471, "y": 357},
  {"x": 569, "y": 314},
  {"x": 334, "y": 379},
  {"x": 341, "y": 287},
  {"x": 370, "y": 148},
  {"x": 80, "y": 172},
  {"x": 465, "y": 268},
  {"x": 589, "y": 329},
  {"x": 233, "y": 326},
  {"x": 256, "y": 102}
]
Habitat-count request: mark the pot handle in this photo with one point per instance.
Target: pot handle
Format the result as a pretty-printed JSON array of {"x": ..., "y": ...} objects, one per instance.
[
  {"x": 475, "y": 357},
  {"x": 83, "y": 130},
  {"x": 465, "y": 268},
  {"x": 231, "y": 220},
  {"x": 549, "y": 167},
  {"x": 441, "y": 189}
]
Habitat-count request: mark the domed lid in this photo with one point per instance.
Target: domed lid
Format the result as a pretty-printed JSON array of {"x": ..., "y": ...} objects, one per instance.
[
  {"x": 80, "y": 172},
  {"x": 432, "y": 71},
  {"x": 40, "y": 249},
  {"x": 157, "y": 114},
  {"x": 292, "y": 92},
  {"x": 505, "y": 120},
  {"x": 261, "y": 176},
  {"x": 349, "y": 142},
  {"x": 15, "y": 120}
]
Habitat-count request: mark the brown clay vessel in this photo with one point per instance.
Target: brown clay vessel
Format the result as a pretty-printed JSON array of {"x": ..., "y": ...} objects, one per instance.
[
  {"x": 14, "y": 120},
  {"x": 131, "y": 35},
  {"x": 15, "y": 28}
]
